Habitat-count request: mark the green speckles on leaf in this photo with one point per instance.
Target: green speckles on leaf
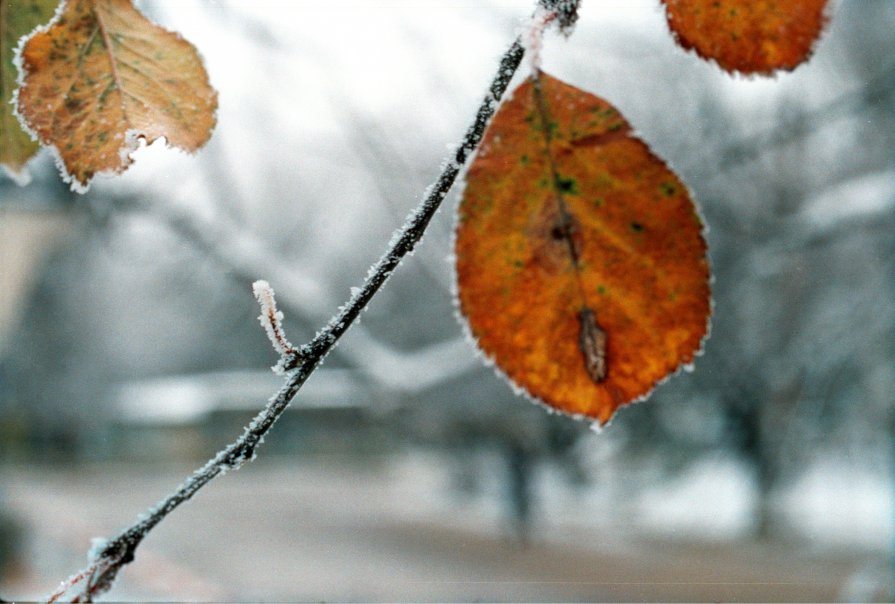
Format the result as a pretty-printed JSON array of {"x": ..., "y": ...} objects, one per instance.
[
  {"x": 604, "y": 112},
  {"x": 636, "y": 227},
  {"x": 106, "y": 92},
  {"x": 604, "y": 119},
  {"x": 668, "y": 189},
  {"x": 524, "y": 159},
  {"x": 567, "y": 185},
  {"x": 601, "y": 289},
  {"x": 551, "y": 130},
  {"x": 598, "y": 202},
  {"x": 72, "y": 103}
]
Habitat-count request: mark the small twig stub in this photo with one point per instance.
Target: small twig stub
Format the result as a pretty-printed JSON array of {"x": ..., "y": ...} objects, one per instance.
[{"x": 272, "y": 321}]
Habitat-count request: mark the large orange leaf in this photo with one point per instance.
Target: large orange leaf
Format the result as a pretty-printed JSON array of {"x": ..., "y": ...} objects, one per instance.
[
  {"x": 581, "y": 265},
  {"x": 101, "y": 77},
  {"x": 759, "y": 36},
  {"x": 17, "y": 18}
]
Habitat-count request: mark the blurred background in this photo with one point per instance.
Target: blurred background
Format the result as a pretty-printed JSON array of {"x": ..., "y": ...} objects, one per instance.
[{"x": 406, "y": 470}]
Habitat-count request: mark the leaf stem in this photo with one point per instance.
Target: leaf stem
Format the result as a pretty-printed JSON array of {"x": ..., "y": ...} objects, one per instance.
[
  {"x": 113, "y": 62},
  {"x": 120, "y": 550}
]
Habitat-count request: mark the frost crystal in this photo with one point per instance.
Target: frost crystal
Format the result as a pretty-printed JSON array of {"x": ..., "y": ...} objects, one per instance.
[{"x": 97, "y": 545}]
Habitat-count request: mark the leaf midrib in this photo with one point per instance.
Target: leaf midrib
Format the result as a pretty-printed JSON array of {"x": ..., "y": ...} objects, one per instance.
[{"x": 107, "y": 43}]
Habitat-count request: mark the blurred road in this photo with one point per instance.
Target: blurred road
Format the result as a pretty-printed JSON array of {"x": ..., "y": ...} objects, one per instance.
[{"x": 330, "y": 531}]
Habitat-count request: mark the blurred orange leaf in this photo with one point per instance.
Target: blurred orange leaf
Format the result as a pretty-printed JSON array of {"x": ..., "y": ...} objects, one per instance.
[
  {"x": 750, "y": 37},
  {"x": 103, "y": 76},
  {"x": 17, "y": 18},
  {"x": 581, "y": 265}
]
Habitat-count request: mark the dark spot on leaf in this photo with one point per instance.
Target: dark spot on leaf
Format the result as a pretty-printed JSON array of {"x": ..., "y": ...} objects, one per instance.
[
  {"x": 567, "y": 185},
  {"x": 668, "y": 189}
]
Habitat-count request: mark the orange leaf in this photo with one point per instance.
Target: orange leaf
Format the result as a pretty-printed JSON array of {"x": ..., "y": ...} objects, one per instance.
[
  {"x": 102, "y": 76},
  {"x": 581, "y": 265},
  {"x": 749, "y": 37},
  {"x": 17, "y": 18}
]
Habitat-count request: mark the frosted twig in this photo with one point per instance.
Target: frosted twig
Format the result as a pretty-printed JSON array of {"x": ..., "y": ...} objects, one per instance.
[
  {"x": 563, "y": 12},
  {"x": 93, "y": 575},
  {"x": 69, "y": 583},
  {"x": 534, "y": 36},
  {"x": 272, "y": 321},
  {"x": 120, "y": 550}
]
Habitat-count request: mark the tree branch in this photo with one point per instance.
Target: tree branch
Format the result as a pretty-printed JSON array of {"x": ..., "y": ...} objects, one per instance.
[{"x": 111, "y": 556}]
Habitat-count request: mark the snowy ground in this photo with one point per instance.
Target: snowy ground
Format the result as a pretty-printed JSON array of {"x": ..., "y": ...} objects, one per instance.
[{"x": 394, "y": 531}]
